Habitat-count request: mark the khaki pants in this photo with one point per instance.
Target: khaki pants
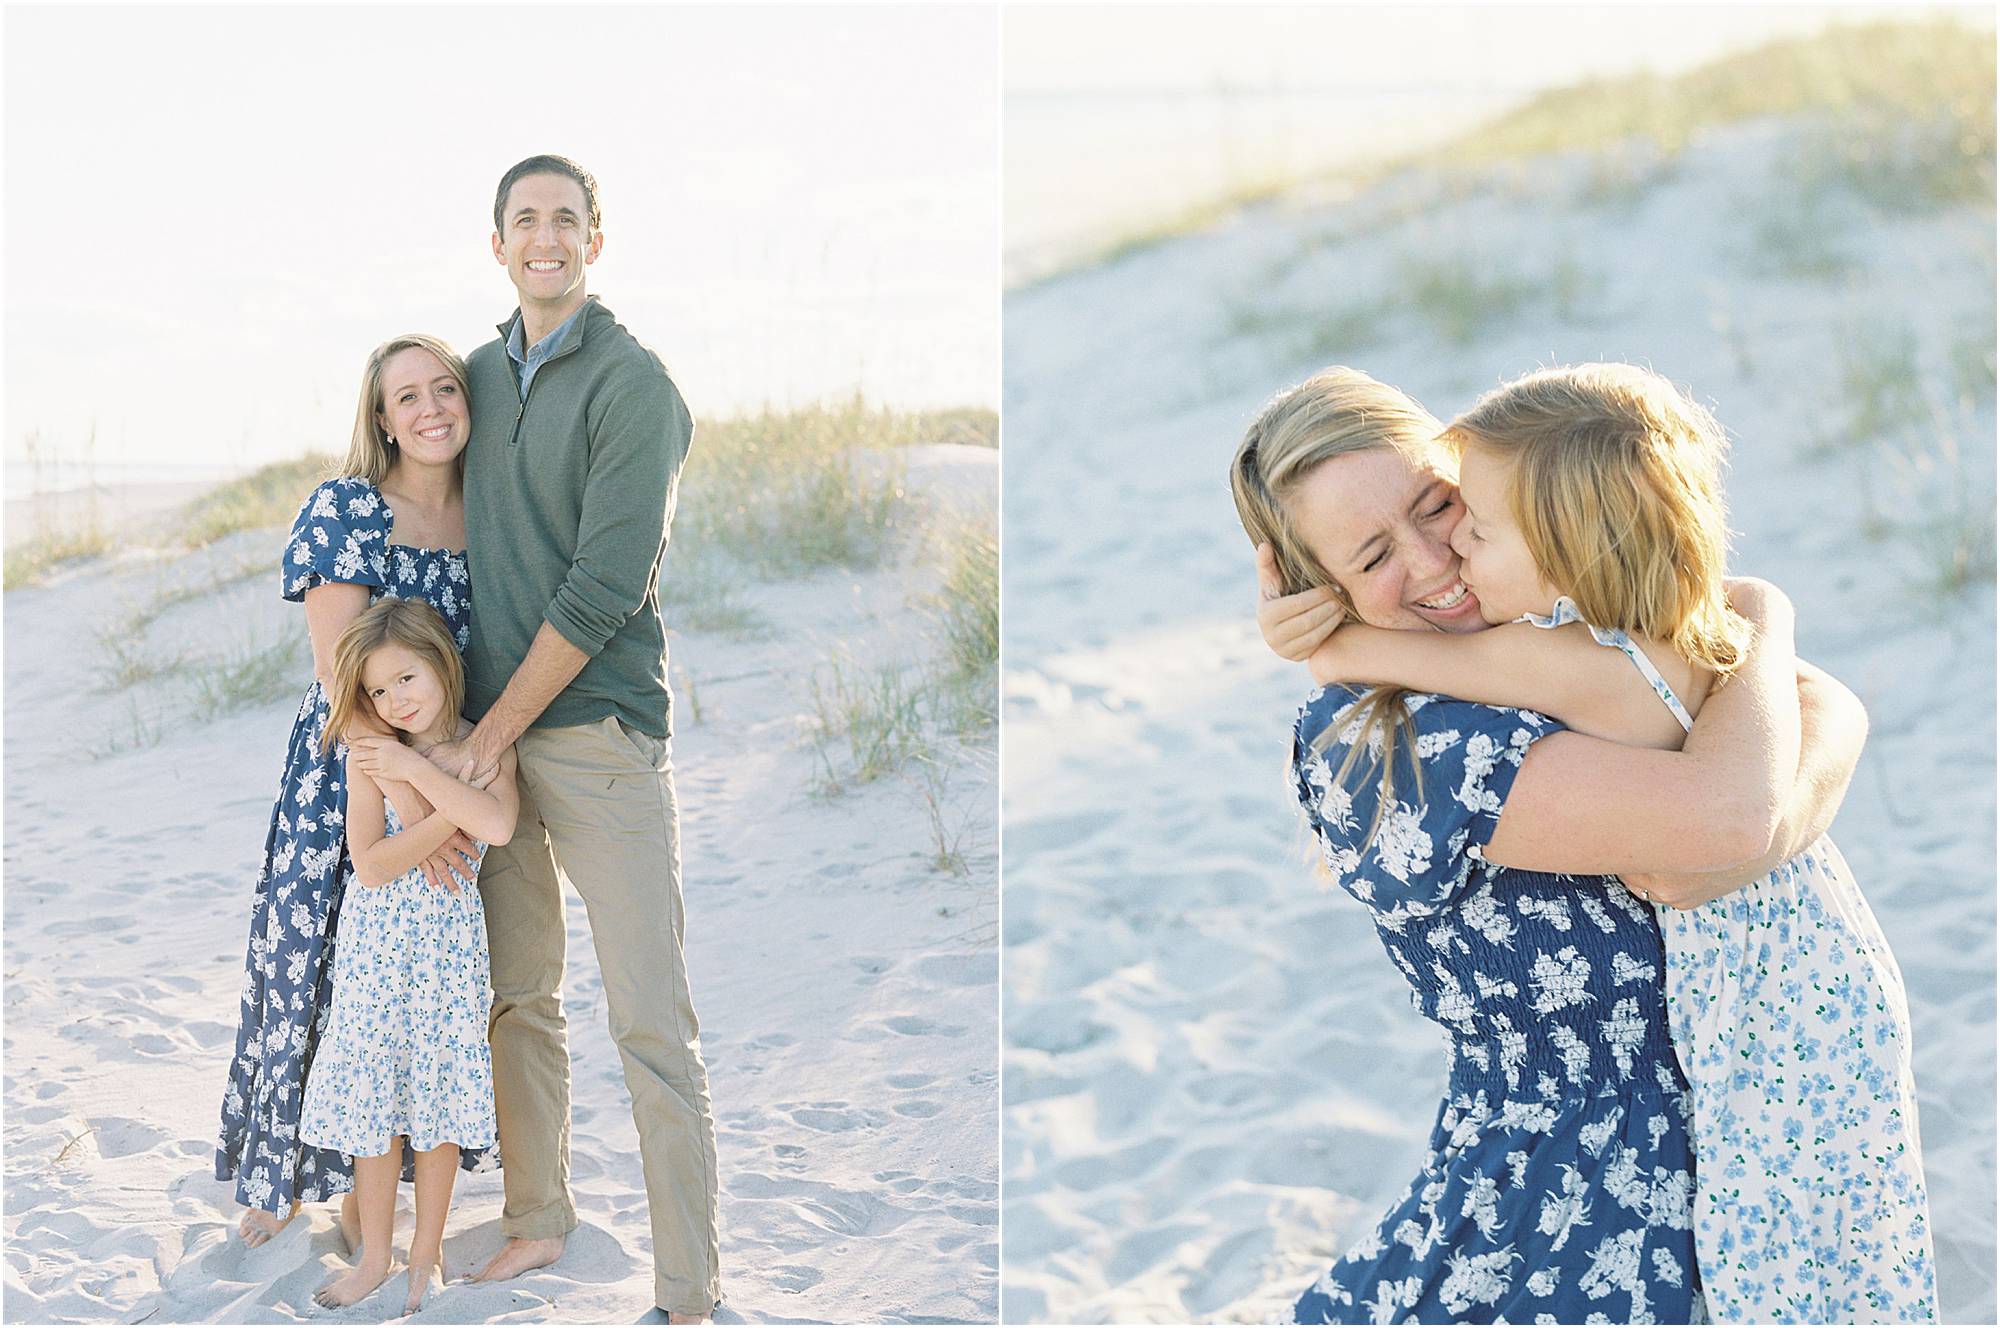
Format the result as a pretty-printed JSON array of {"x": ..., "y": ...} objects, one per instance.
[{"x": 597, "y": 801}]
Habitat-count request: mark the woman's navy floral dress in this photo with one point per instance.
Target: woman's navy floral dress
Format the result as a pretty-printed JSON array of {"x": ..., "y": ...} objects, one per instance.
[
  {"x": 1559, "y": 1180},
  {"x": 341, "y": 535}
]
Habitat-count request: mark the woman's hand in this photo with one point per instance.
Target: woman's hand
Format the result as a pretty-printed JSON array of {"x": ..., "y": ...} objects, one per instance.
[
  {"x": 1293, "y": 625},
  {"x": 1678, "y": 891},
  {"x": 386, "y": 758}
]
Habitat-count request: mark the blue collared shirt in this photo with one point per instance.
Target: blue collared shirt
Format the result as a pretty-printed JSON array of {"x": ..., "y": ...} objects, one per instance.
[{"x": 538, "y": 354}]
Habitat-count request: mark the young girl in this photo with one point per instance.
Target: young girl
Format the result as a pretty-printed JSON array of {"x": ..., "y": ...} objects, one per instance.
[
  {"x": 404, "y": 1058},
  {"x": 1594, "y": 524}
]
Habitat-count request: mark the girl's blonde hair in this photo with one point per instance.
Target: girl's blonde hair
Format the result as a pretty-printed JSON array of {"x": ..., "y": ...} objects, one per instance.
[
  {"x": 410, "y": 623},
  {"x": 1617, "y": 489},
  {"x": 1337, "y": 412},
  {"x": 370, "y": 453}
]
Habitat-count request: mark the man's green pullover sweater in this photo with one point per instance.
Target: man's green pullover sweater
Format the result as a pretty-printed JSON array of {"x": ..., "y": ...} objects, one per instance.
[{"x": 568, "y": 499}]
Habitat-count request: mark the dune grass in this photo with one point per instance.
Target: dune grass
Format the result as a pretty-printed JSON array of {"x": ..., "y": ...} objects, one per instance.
[
  {"x": 789, "y": 492},
  {"x": 1892, "y": 81},
  {"x": 267, "y": 496},
  {"x": 28, "y": 562},
  {"x": 967, "y": 609}
]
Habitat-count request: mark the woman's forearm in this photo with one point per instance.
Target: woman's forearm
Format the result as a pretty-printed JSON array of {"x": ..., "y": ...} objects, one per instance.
[
  {"x": 1581, "y": 805},
  {"x": 1747, "y": 737},
  {"x": 1834, "y": 726}
]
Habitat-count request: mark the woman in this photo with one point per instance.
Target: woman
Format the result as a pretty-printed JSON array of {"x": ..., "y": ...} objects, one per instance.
[
  {"x": 1559, "y": 1175},
  {"x": 392, "y": 523}
]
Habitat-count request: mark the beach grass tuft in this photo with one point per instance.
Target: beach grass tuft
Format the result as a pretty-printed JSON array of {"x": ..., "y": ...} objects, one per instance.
[
  {"x": 252, "y": 672},
  {"x": 967, "y": 610},
  {"x": 880, "y": 714},
  {"x": 138, "y": 732},
  {"x": 123, "y": 659},
  {"x": 267, "y": 496},
  {"x": 789, "y": 492},
  {"x": 1880, "y": 381},
  {"x": 1459, "y": 295},
  {"x": 30, "y": 561}
]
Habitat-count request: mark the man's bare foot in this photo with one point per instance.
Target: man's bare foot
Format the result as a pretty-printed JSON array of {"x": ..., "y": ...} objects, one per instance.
[
  {"x": 350, "y": 1224},
  {"x": 352, "y": 1287},
  {"x": 676, "y": 1316},
  {"x": 518, "y": 1256},
  {"x": 259, "y": 1226},
  {"x": 420, "y": 1284}
]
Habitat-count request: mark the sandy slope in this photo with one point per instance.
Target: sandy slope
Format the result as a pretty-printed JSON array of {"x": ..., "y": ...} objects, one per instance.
[
  {"x": 846, "y": 989},
  {"x": 1212, "y": 1076}
]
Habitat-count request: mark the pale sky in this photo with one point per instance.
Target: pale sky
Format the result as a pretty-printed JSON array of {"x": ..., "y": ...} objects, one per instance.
[{"x": 214, "y": 213}]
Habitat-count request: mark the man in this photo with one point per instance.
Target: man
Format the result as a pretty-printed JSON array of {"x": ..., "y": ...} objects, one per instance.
[{"x": 578, "y": 436}]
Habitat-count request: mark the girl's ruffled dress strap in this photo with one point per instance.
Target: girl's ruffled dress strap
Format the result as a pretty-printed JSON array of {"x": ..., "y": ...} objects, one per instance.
[{"x": 1565, "y": 613}]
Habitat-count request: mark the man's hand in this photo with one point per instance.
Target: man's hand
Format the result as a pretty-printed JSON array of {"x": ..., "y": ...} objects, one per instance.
[
  {"x": 1293, "y": 625},
  {"x": 464, "y": 762},
  {"x": 438, "y": 867}
]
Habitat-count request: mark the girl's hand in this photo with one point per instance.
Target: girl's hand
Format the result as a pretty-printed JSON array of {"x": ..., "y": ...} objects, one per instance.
[
  {"x": 1293, "y": 625},
  {"x": 386, "y": 758}
]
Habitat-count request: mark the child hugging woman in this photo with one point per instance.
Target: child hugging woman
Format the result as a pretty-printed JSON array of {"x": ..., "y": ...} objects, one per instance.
[
  {"x": 1594, "y": 524},
  {"x": 404, "y": 1058}
]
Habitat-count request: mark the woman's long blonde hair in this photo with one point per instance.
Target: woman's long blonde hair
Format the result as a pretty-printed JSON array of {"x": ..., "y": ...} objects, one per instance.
[
  {"x": 1616, "y": 486},
  {"x": 370, "y": 453},
  {"x": 1337, "y": 412},
  {"x": 410, "y": 623}
]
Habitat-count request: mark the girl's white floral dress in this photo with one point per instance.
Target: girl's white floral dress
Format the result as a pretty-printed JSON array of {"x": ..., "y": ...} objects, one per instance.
[
  {"x": 1559, "y": 1179},
  {"x": 1789, "y": 1019},
  {"x": 405, "y": 1051}
]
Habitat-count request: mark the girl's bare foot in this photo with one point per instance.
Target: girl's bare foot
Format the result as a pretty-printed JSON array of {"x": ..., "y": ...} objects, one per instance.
[
  {"x": 259, "y": 1226},
  {"x": 350, "y": 1223},
  {"x": 352, "y": 1287},
  {"x": 420, "y": 1284}
]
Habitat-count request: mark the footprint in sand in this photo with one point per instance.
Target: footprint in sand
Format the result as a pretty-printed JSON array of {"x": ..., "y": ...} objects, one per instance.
[
  {"x": 960, "y": 970},
  {"x": 119, "y": 1137},
  {"x": 907, "y": 1081},
  {"x": 872, "y": 968},
  {"x": 910, "y": 1025},
  {"x": 795, "y": 1278},
  {"x": 834, "y": 1117},
  {"x": 918, "y": 1110}
]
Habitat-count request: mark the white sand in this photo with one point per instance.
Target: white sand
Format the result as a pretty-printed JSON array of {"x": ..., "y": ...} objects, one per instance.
[
  {"x": 847, "y": 990},
  {"x": 1213, "y": 1079}
]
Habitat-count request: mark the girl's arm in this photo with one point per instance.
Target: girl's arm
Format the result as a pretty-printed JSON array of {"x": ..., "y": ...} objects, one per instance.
[
  {"x": 1583, "y": 805},
  {"x": 1526, "y": 667},
  {"x": 1834, "y": 725},
  {"x": 486, "y": 813},
  {"x": 380, "y": 857}
]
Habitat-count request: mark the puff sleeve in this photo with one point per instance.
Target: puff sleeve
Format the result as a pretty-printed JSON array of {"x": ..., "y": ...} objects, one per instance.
[
  {"x": 341, "y": 535},
  {"x": 1427, "y": 850}
]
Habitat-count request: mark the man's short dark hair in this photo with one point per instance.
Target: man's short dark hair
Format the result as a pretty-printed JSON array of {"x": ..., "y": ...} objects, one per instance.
[{"x": 548, "y": 164}]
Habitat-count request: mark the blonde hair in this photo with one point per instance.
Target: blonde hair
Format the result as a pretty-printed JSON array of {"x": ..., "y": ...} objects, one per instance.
[
  {"x": 410, "y": 623},
  {"x": 370, "y": 452},
  {"x": 1337, "y": 412},
  {"x": 1616, "y": 486}
]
